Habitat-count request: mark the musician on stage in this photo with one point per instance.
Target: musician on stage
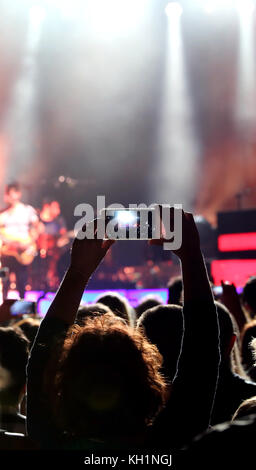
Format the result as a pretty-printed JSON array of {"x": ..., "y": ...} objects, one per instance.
[
  {"x": 19, "y": 229},
  {"x": 52, "y": 242},
  {"x": 54, "y": 222}
]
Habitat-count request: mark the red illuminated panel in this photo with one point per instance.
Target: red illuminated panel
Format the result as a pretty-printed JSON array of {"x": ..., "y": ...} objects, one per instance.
[
  {"x": 233, "y": 270},
  {"x": 237, "y": 242}
]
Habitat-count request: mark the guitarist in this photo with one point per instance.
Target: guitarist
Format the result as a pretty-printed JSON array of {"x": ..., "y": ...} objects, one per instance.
[{"x": 19, "y": 229}]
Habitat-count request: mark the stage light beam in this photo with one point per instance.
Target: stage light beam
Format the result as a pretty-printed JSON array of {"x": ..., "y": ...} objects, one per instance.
[
  {"x": 173, "y": 10},
  {"x": 20, "y": 122},
  {"x": 245, "y": 98},
  {"x": 178, "y": 147},
  {"x": 245, "y": 8}
]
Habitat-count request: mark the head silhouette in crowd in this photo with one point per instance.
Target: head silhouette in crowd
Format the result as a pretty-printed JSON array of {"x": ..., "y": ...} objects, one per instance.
[
  {"x": 29, "y": 326},
  {"x": 233, "y": 384},
  {"x": 118, "y": 305},
  {"x": 230, "y": 341},
  {"x": 146, "y": 303},
  {"x": 163, "y": 326},
  {"x": 14, "y": 348},
  {"x": 249, "y": 296},
  {"x": 175, "y": 287},
  {"x": 108, "y": 383},
  {"x": 228, "y": 333}
]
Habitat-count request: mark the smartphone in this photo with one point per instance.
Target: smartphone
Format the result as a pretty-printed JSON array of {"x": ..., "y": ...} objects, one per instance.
[
  {"x": 130, "y": 224},
  {"x": 23, "y": 307}
]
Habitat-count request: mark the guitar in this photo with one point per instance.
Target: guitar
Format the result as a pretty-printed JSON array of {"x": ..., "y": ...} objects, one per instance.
[{"x": 23, "y": 249}]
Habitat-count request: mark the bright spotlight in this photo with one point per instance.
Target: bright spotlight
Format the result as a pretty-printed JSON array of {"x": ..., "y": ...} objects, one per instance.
[
  {"x": 173, "y": 10},
  {"x": 242, "y": 6},
  {"x": 209, "y": 6},
  {"x": 245, "y": 7},
  {"x": 37, "y": 14}
]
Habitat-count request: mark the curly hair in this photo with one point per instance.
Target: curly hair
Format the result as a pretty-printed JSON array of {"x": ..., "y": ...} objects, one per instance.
[
  {"x": 90, "y": 311},
  {"x": 108, "y": 380}
]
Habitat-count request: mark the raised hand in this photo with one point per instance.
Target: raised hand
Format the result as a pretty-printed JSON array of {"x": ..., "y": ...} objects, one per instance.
[
  {"x": 229, "y": 296},
  {"x": 87, "y": 254},
  {"x": 190, "y": 236}
]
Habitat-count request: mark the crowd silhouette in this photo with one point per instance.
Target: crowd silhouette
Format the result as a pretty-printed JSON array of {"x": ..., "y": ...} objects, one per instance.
[{"x": 107, "y": 377}]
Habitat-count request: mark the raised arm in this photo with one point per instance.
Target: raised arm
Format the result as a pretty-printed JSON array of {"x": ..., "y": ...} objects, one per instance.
[
  {"x": 86, "y": 255},
  {"x": 189, "y": 409},
  {"x": 199, "y": 362}
]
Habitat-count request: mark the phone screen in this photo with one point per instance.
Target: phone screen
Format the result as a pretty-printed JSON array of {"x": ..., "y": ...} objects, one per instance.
[{"x": 129, "y": 224}]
